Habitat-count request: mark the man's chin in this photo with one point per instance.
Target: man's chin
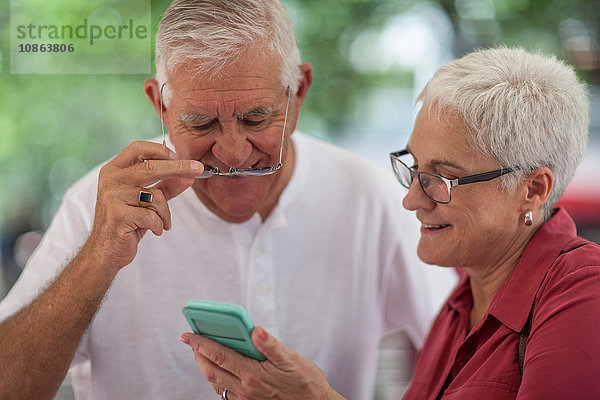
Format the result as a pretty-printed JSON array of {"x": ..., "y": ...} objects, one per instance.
[
  {"x": 237, "y": 214},
  {"x": 233, "y": 202},
  {"x": 234, "y": 211}
]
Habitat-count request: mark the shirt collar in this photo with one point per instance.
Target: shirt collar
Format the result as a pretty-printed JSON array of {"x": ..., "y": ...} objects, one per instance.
[
  {"x": 461, "y": 298},
  {"x": 513, "y": 302}
]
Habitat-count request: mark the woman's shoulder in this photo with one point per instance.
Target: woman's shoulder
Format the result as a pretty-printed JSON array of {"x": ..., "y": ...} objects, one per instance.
[
  {"x": 575, "y": 274},
  {"x": 579, "y": 253}
]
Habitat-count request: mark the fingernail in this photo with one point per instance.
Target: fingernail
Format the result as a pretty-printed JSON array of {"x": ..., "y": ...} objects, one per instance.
[
  {"x": 262, "y": 334},
  {"x": 184, "y": 339},
  {"x": 172, "y": 155},
  {"x": 197, "y": 166}
]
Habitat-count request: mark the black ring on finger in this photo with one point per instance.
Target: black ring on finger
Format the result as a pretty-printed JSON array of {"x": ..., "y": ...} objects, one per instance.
[{"x": 144, "y": 198}]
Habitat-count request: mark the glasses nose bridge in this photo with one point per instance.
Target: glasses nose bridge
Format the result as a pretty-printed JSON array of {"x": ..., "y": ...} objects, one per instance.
[
  {"x": 413, "y": 175},
  {"x": 416, "y": 197},
  {"x": 231, "y": 145}
]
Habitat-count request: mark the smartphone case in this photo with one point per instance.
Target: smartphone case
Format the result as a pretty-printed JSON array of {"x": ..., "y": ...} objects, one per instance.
[{"x": 226, "y": 323}]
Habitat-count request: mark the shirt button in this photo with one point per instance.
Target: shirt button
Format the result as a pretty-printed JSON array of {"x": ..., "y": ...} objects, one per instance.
[{"x": 261, "y": 288}]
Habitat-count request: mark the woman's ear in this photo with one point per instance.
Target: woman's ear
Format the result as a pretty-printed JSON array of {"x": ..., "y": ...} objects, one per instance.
[{"x": 539, "y": 182}]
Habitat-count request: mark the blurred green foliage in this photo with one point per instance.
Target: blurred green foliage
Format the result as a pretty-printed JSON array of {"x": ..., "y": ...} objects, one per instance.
[{"x": 53, "y": 128}]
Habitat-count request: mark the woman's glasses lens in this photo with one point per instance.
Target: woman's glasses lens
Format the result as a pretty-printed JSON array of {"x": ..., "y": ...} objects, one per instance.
[
  {"x": 432, "y": 185},
  {"x": 402, "y": 172}
]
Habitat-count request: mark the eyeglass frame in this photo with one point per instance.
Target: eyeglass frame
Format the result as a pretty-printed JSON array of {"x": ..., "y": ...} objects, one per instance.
[
  {"x": 245, "y": 172},
  {"x": 450, "y": 183}
]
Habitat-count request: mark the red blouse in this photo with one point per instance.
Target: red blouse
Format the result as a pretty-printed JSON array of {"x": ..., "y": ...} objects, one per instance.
[{"x": 562, "y": 358}]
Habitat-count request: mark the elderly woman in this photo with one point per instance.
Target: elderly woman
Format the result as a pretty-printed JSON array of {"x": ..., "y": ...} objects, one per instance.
[{"x": 495, "y": 143}]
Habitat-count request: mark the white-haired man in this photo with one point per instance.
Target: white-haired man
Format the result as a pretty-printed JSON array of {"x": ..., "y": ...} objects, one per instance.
[{"x": 308, "y": 237}]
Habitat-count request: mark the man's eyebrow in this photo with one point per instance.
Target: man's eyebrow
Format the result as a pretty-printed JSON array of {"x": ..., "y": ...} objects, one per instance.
[
  {"x": 194, "y": 117},
  {"x": 256, "y": 112}
]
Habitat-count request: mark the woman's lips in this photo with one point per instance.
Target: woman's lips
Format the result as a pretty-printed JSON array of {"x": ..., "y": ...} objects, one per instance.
[{"x": 433, "y": 228}]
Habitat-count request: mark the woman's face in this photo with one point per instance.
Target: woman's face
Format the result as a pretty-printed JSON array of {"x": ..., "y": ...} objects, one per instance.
[{"x": 481, "y": 225}]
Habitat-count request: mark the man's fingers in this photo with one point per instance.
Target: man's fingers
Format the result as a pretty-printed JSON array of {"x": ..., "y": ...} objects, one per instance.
[
  {"x": 139, "y": 150},
  {"x": 149, "y": 172},
  {"x": 131, "y": 196},
  {"x": 145, "y": 163},
  {"x": 174, "y": 187},
  {"x": 144, "y": 218}
]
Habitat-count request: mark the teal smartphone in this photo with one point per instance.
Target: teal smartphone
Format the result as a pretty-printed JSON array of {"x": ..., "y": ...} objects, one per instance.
[{"x": 226, "y": 323}]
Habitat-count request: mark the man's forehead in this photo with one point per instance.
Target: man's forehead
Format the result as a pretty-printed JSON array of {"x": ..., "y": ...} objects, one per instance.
[
  {"x": 226, "y": 89},
  {"x": 227, "y": 97},
  {"x": 253, "y": 73}
]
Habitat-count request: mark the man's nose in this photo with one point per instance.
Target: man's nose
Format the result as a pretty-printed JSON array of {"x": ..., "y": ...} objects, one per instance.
[{"x": 232, "y": 148}]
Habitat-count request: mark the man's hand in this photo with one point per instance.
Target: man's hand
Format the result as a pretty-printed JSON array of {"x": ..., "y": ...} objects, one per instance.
[
  {"x": 284, "y": 375},
  {"x": 119, "y": 222}
]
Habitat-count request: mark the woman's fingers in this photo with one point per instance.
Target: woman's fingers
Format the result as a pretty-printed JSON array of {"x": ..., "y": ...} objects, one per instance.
[
  {"x": 288, "y": 375},
  {"x": 217, "y": 362},
  {"x": 219, "y": 355},
  {"x": 271, "y": 348}
]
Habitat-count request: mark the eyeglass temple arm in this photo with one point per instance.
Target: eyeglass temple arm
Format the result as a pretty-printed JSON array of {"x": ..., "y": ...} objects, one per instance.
[
  {"x": 486, "y": 176},
  {"x": 162, "y": 125},
  {"x": 287, "y": 106}
]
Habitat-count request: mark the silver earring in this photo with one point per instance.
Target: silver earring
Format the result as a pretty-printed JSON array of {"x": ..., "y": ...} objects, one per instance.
[{"x": 528, "y": 217}]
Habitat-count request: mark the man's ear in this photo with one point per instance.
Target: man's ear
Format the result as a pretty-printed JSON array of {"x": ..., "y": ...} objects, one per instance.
[
  {"x": 153, "y": 93},
  {"x": 300, "y": 95},
  {"x": 539, "y": 182},
  {"x": 305, "y": 82}
]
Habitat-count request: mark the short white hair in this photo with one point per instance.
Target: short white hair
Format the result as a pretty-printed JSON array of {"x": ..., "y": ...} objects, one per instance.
[
  {"x": 525, "y": 110},
  {"x": 214, "y": 33}
]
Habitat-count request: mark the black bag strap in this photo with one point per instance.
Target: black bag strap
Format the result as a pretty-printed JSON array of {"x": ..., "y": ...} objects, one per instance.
[{"x": 524, "y": 334}]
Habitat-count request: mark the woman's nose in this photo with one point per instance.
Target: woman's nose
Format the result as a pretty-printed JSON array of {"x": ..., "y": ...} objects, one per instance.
[{"x": 415, "y": 197}]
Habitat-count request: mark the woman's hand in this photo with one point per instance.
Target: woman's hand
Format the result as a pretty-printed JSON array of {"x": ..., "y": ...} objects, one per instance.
[{"x": 284, "y": 375}]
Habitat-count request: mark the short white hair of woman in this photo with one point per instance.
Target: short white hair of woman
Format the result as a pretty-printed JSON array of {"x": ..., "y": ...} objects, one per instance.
[
  {"x": 525, "y": 110},
  {"x": 214, "y": 33}
]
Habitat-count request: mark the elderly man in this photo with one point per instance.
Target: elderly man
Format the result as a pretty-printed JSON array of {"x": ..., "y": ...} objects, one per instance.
[{"x": 308, "y": 237}]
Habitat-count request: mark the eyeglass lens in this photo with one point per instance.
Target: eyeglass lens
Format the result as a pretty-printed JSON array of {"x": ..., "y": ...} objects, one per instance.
[
  {"x": 433, "y": 186},
  {"x": 261, "y": 171}
]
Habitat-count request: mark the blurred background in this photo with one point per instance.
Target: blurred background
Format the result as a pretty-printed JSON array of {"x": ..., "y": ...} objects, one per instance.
[{"x": 370, "y": 59}]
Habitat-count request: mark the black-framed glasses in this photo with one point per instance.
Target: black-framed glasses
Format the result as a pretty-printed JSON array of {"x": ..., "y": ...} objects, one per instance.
[
  {"x": 436, "y": 187},
  {"x": 247, "y": 172}
]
